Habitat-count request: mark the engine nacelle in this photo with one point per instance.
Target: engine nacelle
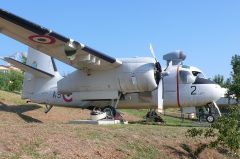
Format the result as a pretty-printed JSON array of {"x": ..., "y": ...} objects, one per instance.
[
  {"x": 134, "y": 75},
  {"x": 137, "y": 76}
]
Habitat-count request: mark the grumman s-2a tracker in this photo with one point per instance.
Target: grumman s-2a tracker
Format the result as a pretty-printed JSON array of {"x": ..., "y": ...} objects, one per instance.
[{"x": 103, "y": 83}]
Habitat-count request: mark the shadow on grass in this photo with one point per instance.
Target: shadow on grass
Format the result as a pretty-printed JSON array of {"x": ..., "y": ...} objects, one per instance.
[
  {"x": 144, "y": 122},
  {"x": 189, "y": 152},
  {"x": 176, "y": 151},
  {"x": 19, "y": 110}
]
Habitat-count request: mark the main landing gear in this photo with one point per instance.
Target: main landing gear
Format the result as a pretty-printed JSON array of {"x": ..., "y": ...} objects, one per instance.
[{"x": 107, "y": 112}]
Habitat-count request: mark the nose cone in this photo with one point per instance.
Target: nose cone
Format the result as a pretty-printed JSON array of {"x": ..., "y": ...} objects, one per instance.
[
  {"x": 217, "y": 92},
  {"x": 213, "y": 91}
]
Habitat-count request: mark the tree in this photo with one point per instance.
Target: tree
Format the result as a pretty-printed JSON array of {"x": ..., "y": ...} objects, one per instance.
[
  {"x": 15, "y": 81},
  {"x": 11, "y": 81},
  {"x": 219, "y": 79},
  {"x": 235, "y": 86}
]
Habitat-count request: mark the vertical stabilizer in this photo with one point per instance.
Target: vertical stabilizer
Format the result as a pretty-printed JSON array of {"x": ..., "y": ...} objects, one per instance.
[
  {"x": 40, "y": 61},
  {"x": 34, "y": 84}
]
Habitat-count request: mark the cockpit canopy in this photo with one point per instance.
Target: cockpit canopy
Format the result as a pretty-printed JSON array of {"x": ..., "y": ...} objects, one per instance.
[
  {"x": 189, "y": 75},
  {"x": 186, "y": 77}
]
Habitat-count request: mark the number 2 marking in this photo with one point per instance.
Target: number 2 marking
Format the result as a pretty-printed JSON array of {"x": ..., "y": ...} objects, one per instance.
[{"x": 193, "y": 91}]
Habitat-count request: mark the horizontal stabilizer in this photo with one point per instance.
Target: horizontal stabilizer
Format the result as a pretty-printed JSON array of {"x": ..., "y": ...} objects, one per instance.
[{"x": 27, "y": 68}]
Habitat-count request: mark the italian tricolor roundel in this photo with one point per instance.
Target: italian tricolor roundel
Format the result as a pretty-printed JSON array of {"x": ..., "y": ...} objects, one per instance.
[
  {"x": 42, "y": 39},
  {"x": 67, "y": 98}
]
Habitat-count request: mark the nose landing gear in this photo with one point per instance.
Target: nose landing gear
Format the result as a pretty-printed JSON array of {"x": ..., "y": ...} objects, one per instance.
[{"x": 209, "y": 113}]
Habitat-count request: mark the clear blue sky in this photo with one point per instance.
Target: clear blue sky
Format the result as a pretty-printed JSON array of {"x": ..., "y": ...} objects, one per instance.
[{"x": 207, "y": 31}]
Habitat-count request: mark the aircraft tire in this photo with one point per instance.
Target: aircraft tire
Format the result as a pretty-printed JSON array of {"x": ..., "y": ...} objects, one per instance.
[
  {"x": 111, "y": 111},
  {"x": 210, "y": 118}
]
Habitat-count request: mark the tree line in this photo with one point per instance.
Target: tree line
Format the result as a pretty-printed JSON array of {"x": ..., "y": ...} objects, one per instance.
[{"x": 232, "y": 83}]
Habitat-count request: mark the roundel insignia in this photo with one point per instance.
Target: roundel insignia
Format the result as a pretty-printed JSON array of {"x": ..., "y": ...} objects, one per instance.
[
  {"x": 67, "y": 98},
  {"x": 43, "y": 39}
]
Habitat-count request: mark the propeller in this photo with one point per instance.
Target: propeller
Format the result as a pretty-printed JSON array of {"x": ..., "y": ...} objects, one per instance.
[
  {"x": 152, "y": 51},
  {"x": 158, "y": 68}
]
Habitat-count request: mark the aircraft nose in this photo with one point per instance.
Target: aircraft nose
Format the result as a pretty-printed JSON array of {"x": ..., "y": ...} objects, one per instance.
[{"x": 218, "y": 92}]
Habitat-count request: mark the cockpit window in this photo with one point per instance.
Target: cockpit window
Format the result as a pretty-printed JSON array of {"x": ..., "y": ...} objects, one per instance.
[
  {"x": 198, "y": 74},
  {"x": 186, "y": 77}
]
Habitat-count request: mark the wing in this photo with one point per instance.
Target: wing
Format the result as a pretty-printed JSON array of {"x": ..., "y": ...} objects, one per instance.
[{"x": 53, "y": 44}]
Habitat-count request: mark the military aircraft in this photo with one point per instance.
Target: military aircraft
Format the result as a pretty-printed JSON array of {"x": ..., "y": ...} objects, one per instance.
[{"x": 100, "y": 81}]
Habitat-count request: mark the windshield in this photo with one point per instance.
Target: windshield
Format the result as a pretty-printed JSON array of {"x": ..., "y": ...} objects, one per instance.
[
  {"x": 186, "y": 77},
  {"x": 198, "y": 74}
]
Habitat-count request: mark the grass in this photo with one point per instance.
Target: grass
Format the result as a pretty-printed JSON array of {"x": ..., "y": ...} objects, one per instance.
[
  {"x": 134, "y": 140},
  {"x": 142, "y": 150},
  {"x": 169, "y": 121},
  {"x": 10, "y": 97},
  {"x": 57, "y": 140},
  {"x": 31, "y": 150}
]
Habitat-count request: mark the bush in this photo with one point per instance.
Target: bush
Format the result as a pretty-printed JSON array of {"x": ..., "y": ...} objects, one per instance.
[
  {"x": 224, "y": 133},
  {"x": 11, "y": 81}
]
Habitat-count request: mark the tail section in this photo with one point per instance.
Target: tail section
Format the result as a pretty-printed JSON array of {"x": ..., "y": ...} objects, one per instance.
[
  {"x": 33, "y": 84},
  {"x": 40, "y": 73}
]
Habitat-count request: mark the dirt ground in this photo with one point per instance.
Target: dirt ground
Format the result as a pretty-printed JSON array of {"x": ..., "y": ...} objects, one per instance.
[{"x": 27, "y": 132}]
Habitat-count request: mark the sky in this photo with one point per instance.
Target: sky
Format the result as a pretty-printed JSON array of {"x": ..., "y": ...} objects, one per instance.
[{"x": 208, "y": 32}]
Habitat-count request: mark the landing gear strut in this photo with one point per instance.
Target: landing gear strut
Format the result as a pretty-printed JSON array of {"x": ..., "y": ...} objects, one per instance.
[{"x": 47, "y": 108}]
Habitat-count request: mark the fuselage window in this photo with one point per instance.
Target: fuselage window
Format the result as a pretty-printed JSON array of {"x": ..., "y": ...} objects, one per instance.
[{"x": 186, "y": 77}]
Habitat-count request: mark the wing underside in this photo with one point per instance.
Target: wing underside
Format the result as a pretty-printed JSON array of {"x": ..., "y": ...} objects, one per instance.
[{"x": 53, "y": 44}]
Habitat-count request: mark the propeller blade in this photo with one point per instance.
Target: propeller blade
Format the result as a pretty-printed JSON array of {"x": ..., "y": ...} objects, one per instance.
[
  {"x": 152, "y": 51},
  {"x": 158, "y": 68}
]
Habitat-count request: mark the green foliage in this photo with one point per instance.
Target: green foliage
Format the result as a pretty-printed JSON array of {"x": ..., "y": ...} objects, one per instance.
[
  {"x": 225, "y": 132},
  {"x": 11, "y": 81},
  {"x": 24, "y": 59},
  {"x": 194, "y": 132},
  {"x": 229, "y": 130},
  {"x": 219, "y": 79},
  {"x": 235, "y": 86}
]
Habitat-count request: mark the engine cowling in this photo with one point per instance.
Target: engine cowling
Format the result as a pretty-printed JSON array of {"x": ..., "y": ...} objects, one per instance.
[{"x": 137, "y": 77}]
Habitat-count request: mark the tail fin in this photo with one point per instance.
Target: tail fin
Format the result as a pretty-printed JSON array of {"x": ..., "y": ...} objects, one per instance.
[
  {"x": 40, "y": 73},
  {"x": 41, "y": 61}
]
